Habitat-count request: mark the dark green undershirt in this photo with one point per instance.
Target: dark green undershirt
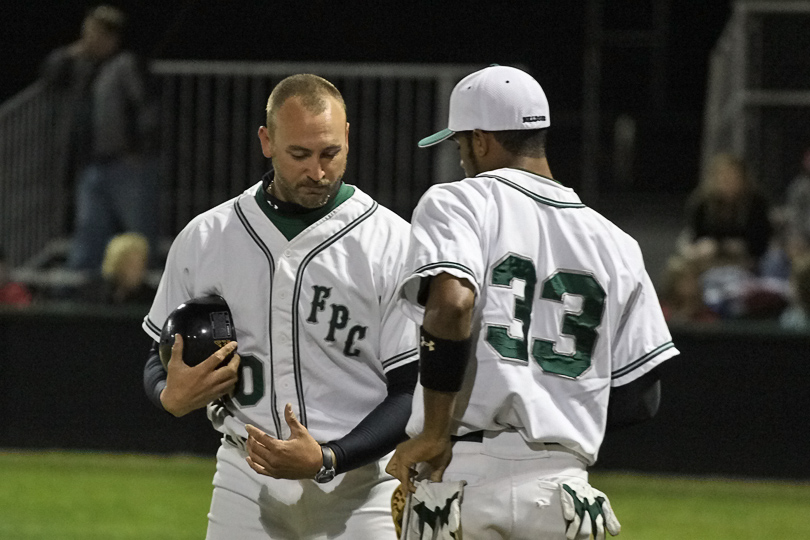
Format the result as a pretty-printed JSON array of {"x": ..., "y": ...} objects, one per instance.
[{"x": 291, "y": 224}]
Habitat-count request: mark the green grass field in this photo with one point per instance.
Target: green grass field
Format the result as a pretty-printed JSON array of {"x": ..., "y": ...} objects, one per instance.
[{"x": 86, "y": 496}]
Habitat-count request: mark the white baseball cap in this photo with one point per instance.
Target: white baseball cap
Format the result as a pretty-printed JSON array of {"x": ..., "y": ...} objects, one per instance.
[{"x": 496, "y": 98}]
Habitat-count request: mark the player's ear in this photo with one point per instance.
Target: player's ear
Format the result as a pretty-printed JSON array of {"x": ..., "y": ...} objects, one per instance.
[
  {"x": 480, "y": 143},
  {"x": 267, "y": 144},
  {"x": 347, "y": 136}
]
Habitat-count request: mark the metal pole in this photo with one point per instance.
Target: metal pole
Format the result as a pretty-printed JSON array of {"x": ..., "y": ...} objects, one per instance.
[
  {"x": 658, "y": 65},
  {"x": 591, "y": 124}
]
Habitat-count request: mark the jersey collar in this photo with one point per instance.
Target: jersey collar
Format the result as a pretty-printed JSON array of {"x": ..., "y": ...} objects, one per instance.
[
  {"x": 292, "y": 221},
  {"x": 540, "y": 188}
]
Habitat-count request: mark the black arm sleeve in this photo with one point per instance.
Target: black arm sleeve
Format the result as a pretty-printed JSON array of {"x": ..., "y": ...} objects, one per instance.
[
  {"x": 634, "y": 402},
  {"x": 384, "y": 427},
  {"x": 154, "y": 376}
]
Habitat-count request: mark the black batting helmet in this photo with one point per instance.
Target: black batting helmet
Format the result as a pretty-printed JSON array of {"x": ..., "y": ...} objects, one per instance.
[{"x": 206, "y": 325}]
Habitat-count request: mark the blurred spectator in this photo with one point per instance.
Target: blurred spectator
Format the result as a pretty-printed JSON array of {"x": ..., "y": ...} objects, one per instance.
[
  {"x": 123, "y": 273},
  {"x": 11, "y": 293},
  {"x": 112, "y": 127},
  {"x": 727, "y": 217},
  {"x": 797, "y": 210},
  {"x": 792, "y": 220},
  {"x": 682, "y": 293},
  {"x": 797, "y": 316},
  {"x": 733, "y": 291}
]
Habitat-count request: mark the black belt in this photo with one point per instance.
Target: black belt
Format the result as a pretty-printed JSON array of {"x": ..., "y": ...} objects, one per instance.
[{"x": 473, "y": 436}]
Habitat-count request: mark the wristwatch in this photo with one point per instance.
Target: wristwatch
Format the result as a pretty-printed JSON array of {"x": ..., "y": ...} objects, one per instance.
[{"x": 327, "y": 472}]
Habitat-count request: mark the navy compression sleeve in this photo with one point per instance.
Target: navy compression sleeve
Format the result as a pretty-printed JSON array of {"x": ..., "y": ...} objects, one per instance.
[
  {"x": 384, "y": 427},
  {"x": 634, "y": 402},
  {"x": 154, "y": 376}
]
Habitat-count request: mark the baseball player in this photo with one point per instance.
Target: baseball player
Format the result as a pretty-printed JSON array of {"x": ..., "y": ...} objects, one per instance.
[
  {"x": 533, "y": 308},
  {"x": 326, "y": 364}
]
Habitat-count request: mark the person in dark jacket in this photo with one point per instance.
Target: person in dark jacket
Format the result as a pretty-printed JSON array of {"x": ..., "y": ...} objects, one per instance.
[
  {"x": 111, "y": 123},
  {"x": 727, "y": 216}
]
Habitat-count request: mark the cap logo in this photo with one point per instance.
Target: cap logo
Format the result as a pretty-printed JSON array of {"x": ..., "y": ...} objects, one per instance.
[{"x": 528, "y": 119}]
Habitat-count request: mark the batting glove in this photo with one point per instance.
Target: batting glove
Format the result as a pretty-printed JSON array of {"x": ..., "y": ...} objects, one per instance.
[
  {"x": 433, "y": 512},
  {"x": 216, "y": 413},
  {"x": 578, "y": 499}
]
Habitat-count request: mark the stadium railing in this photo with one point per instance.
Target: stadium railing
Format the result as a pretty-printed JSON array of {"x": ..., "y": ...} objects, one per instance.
[
  {"x": 758, "y": 90},
  {"x": 210, "y": 112}
]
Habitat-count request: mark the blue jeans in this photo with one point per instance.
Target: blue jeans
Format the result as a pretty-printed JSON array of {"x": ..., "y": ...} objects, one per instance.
[{"x": 113, "y": 197}]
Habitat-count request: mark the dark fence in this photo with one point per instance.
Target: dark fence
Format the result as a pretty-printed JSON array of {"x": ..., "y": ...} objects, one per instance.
[
  {"x": 736, "y": 402},
  {"x": 72, "y": 378}
]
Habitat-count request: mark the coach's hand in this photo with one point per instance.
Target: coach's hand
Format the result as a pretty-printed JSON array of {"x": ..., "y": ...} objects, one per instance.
[
  {"x": 437, "y": 453},
  {"x": 190, "y": 388},
  {"x": 297, "y": 458}
]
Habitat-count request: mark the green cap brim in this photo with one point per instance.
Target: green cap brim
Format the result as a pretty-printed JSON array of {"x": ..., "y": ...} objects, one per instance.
[{"x": 436, "y": 138}]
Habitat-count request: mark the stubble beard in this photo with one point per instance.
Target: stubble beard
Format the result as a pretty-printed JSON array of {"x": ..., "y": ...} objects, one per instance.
[{"x": 280, "y": 186}]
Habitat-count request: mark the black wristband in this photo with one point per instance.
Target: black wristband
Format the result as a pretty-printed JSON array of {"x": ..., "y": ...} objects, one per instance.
[{"x": 442, "y": 362}]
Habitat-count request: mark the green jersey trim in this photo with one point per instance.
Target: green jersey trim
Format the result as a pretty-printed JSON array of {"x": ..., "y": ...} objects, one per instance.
[
  {"x": 271, "y": 263},
  {"x": 621, "y": 372},
  {"x": 535, "y": 174},
  {"x": 444, "y": 264},
  {"x": 299, "y": 385},
  {"x": 401, "y": 356},
  {"x": 532, "y": 195},
  {"x": 292, "y": 225},
  {"x": 152, "y": 326}
]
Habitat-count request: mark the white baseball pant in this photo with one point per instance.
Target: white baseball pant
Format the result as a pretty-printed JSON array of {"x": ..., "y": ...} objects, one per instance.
[
  {"x": 512, "y": 487},
  {"x": 248, "y": 506}
]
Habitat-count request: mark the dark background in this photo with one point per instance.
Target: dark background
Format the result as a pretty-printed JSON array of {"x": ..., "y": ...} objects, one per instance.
[
  {"x": 78, "y": 389},
  {"x": 547, "y": 37}
]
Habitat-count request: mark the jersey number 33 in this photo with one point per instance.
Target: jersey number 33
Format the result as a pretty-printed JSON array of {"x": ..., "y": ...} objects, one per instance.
[{"x": 581, "y": 325}]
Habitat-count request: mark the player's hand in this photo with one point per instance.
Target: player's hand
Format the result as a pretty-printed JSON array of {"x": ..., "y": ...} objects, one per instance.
[
  {"x": 297, "y": 458},
  {"x": 437, "y": 453},
  {"x": 579, "y": 499},
  {"x": 190, "y": 388}
]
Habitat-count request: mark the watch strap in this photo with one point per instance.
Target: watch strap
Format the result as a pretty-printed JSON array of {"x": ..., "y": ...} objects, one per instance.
[
  {"x": 328, "y": 461},
  {"x": 327, "y": 472}
]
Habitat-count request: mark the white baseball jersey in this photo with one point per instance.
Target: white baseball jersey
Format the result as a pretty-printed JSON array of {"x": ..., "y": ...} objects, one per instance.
[
  {"x": 314, "y": 316},
  {"x": 564, "y": 307}
]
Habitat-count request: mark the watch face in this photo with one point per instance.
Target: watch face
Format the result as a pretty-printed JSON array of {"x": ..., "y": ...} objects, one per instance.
[{"x": 325, "y": 475}]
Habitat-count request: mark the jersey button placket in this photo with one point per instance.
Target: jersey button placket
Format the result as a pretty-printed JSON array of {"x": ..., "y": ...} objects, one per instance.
[{"x": 284, "y": 284}]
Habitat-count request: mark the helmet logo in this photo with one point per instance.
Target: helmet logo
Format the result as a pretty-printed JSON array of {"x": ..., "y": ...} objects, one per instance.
[{"x": 221, "y": 327}]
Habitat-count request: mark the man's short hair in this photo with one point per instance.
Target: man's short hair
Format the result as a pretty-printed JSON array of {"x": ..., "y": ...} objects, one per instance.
[
  {"x": 310, "y": 89},
  {"x": 523, "y": 142},
  {"x": 112, "y": 19}
]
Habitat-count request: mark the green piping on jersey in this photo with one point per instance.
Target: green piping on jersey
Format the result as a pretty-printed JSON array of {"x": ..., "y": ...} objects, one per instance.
[
  {"x": 445, "y": 264},
  {"x": 297, "y": 295},
  {"x": 152, "y": 326},
  {"x": 535, "y": 196},
  {"x": 535, "y": 174},
  {"x": 401, "y": 356},
  {"x": 292, "y": 226},
  {"x": 641, "y": 361},
  {"x": 272, "y": 264}
]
